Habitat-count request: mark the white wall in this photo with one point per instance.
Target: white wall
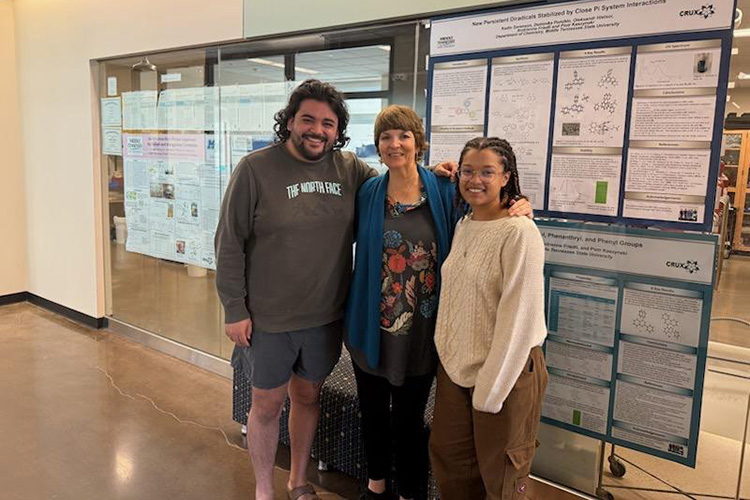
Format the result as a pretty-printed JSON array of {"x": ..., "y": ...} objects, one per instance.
[
  {"x": 55, "y": 40},
  {"x": 13, "y": 269},
  {"x": 263, "y": 17}
]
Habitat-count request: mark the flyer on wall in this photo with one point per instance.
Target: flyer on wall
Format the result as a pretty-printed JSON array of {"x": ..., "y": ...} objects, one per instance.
[{"x": 173, "y": 189}]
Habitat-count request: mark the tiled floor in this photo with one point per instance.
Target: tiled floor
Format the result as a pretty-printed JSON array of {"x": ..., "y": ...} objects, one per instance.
[{"x": 89, "y": 415}]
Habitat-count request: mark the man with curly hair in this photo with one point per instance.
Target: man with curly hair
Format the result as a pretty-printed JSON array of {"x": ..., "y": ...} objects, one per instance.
[{"x": 284, "y": 259}]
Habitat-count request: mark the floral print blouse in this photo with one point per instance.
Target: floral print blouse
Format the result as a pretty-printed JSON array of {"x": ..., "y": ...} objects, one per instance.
[{"x": 409, "y": 296}]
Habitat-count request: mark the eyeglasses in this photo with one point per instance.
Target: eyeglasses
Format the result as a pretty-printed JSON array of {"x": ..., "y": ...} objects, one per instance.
[{"x": 485, "y": 174}]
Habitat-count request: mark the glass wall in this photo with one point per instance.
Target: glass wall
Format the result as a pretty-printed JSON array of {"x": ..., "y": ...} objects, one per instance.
[{"x": 186, "y": 118}]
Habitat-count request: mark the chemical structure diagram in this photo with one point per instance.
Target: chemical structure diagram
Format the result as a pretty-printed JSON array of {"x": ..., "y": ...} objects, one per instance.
[
  {"x": 525, "y": 82},
  {"x": 577, "y": 107},
  {"x": 516, "y": 98},
  {"x": 466, "y": 109},
  {"x": 603, "y": 128},
  {"x": 577, "y": 82},
  {"x": 671, "y": 326},
  {"x": 606, "y": 104},
  {"x": 523, "y": 128},
  {"x": 608, "y": 80},
  {"x": 641, "y": 324}
]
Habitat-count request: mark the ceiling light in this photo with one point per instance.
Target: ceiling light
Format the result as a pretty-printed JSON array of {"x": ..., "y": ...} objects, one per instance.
[
  {"x": 743, "y": 76},
  {"x": 735, "y": 51},
  {"x": 266, "y": 62},
  {"x": 731, "y": 85},
  {"x": 736, "y": 105},
  {"x": 743, "y": 33},
  {"x": 305, "y": 70}
]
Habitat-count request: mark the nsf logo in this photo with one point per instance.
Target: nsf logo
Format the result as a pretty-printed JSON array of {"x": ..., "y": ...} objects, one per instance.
[
  {"x": 690, "y": 266},
  {"x": 705, "y": 11}
]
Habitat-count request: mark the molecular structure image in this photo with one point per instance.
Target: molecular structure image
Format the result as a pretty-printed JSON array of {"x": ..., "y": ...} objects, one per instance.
[
  {"x": 576, "y": 108},
  {"x": 607, "y": 104},
  {"x": 671, "y": 326},
  {"x": 641, "y": 324},
  {"x": 577, "y": 82},
  {"x": 603, "y": 128},
  {"x": 523, "y": 128},
  {"x": 608, "y": 80},
  {"x": 525, "y": 82}
]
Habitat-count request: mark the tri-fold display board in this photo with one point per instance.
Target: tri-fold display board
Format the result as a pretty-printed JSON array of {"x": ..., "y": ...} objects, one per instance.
[{"x": 614, "y": 109}]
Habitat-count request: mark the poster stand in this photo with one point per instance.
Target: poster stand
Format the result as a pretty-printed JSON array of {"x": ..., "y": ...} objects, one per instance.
[{"x": 618, "y": 468}]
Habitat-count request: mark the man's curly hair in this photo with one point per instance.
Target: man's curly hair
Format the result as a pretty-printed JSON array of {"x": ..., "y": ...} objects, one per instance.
[{"x": 319, "y": 91}]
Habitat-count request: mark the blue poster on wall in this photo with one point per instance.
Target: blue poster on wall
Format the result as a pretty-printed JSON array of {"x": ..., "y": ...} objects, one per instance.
[
  {"x": 614, "y": 109},
  {"x": 628, "y": 313}
]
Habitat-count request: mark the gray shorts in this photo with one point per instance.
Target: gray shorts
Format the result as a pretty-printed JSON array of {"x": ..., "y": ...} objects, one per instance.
[{"x": 271, "y": 358}]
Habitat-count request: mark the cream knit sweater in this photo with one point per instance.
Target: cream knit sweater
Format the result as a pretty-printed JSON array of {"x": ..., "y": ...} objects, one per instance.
[{"x": 491, "y": 310}]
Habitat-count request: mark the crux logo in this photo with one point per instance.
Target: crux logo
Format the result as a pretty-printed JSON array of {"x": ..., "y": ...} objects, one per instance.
[
  {"x": 690, "y": 266},
  {"x": 705, "y": 11}
]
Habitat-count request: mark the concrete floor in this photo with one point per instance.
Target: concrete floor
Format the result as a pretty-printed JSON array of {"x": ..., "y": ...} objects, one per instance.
[
  {"x": 89, "y": 415},
  {"x": 732, "y": 298}
]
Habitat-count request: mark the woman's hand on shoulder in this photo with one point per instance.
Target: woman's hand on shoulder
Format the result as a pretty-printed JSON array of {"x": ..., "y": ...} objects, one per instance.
[
  {"x": 521, "y": 207},
  {"x": 447, "y": 169}
]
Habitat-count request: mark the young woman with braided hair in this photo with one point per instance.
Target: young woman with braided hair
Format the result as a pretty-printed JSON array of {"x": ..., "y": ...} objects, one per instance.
[{"x": 490, "y": 326}]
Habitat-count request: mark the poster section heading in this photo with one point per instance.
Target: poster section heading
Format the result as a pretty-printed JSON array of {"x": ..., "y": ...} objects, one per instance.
[
  {"x": 580, "y": 103},
  {"x": 575, "y": 22},
  {"x": 174, "y": 184},
  {"x": 627, "y": 335}
]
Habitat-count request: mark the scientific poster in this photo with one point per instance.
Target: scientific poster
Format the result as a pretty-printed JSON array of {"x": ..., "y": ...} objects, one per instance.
[
  {"x": 585, "y": 180},
  {"x": 625, "y": 85},
  {"x": 139, "y": 110},
  {"x": 519, "y": 109},
  {"x": 173, "y": 189},
  {"x": 687, "y": 64},
  {"x": 673, "y": 115},
  {"x": 581, "y": 317},
  {"x": 628, "y": 312},
  {"x": 592, "y": 92},
  {"x": 667, "y": 180},
  {"x": 251, "y": 107},
  {"x": 458, "y": 107},
  {"x": 188, "y": 109}
]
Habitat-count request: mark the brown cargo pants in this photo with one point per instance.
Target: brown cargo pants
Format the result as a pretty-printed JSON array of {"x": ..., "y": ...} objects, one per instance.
[{"x": 478, "y": 455}]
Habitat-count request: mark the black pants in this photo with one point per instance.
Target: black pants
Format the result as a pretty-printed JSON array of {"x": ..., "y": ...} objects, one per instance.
[{"x": 395, "y": 414}]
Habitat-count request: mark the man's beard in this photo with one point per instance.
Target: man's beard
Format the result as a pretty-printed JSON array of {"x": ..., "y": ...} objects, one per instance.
[{"x": 299, "y": 144}]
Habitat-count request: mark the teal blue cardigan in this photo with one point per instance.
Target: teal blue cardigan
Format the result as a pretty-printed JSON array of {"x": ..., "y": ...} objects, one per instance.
[{"x": 362, "y": 317}]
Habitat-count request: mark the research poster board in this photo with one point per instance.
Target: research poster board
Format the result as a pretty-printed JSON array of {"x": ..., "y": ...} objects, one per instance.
[
  {"x": 628, "y": 314},
  {"x": 614, "y": 109},
  {"x": 174, "y": 184}
]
